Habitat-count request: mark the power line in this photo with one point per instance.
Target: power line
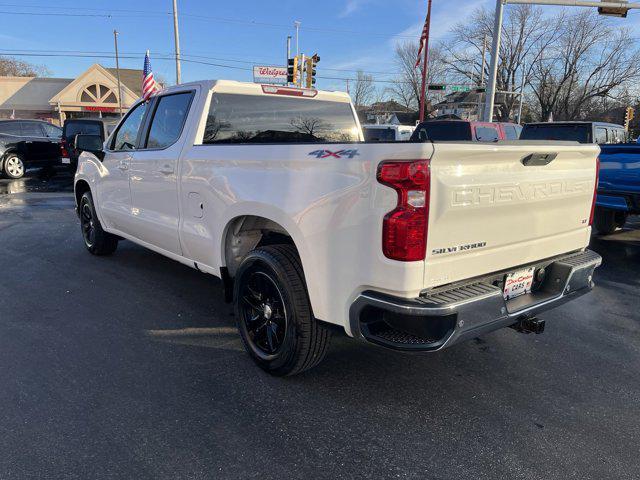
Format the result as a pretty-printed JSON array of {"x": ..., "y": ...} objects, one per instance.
[
  {"x": 205, "y": 57},
  {"x": 126, "y": 13}
]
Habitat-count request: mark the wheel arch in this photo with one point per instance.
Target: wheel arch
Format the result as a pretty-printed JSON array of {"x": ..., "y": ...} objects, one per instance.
[
  {"x": 246, "y": 231},
  {"x": 80, "y": 188}
]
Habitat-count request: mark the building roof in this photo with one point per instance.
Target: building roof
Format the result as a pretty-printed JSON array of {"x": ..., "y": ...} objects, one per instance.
[
  {"x": 130, "y": 78},
  {"x": 29, "y": 93}
]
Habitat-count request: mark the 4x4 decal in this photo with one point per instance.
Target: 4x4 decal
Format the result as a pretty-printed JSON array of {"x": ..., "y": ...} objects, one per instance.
[{"x": 338, "y": 154}]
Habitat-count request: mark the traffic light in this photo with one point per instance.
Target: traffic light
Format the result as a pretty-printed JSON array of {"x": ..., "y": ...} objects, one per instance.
[
  {"x": 437, "y": 87},
  {"x": 615, "y": 11},
  {"x": 292, "y": 71},
  {"x": 311, "y": 70},
  {"x": 630, "y": 115}
]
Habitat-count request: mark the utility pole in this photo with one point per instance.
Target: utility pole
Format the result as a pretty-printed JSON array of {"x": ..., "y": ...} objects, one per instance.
[
  {"x": 115, "y": 41},
  {"x": 176, "y": 35},
  {"x": 288, "y": 48},
  {"x": 425, "y": 62},
  {"x": 524, "y": 82},
  {"x": 484, "y": 64},
  {"x": 297, "y": 25},
  {"x": 493, "y": 70}
]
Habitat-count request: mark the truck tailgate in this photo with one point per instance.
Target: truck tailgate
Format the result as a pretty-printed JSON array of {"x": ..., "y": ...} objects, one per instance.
[{"x": 495, "y": 207}]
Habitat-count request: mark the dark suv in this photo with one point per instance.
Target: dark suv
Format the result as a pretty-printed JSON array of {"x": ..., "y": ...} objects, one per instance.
[
  {"x": 28, "y": 143},
  {"x": 82, "y": 126}
]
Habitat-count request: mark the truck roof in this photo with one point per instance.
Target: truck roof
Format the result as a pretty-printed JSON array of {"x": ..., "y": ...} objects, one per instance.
[
  {"x": 249, "y": 88},
  {"x": 577, "y": 122}
]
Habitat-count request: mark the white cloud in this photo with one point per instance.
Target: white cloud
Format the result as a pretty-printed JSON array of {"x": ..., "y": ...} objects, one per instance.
[{"x": 350, "y": 7}]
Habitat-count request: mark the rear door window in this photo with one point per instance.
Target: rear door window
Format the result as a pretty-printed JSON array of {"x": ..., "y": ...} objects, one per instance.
[
  {"x": 487, "y": 134},
  {"x": 10, "y": 128},
  {"x": 236, "y": 118},
  {"x": 31, "y": 129},
  {"x": 168, "y": 119}
]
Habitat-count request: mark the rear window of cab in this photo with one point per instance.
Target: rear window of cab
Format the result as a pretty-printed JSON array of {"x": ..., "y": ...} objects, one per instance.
[{"x": 240, "y": 119}]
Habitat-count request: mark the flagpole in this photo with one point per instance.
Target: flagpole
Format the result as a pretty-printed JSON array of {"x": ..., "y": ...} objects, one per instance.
[{"x": 425, "y": 61}]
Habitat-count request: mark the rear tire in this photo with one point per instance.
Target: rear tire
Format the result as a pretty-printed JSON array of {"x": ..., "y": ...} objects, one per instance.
[
  {"x": 274, "y": 314},
  {"x": 14, "y": 166},
  {"x": 604, "y": 221},
  {"x": 97, "y": 241}
]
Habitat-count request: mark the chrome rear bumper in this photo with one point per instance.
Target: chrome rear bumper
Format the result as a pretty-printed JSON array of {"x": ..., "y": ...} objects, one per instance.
[{"x": 444, "y": 317}]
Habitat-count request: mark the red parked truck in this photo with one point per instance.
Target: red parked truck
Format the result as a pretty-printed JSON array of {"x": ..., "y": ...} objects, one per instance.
[{"x": 462, "y": 130}]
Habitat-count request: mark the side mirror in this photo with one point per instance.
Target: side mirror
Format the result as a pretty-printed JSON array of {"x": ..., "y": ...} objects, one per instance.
[{"x": 90, "y": 143}]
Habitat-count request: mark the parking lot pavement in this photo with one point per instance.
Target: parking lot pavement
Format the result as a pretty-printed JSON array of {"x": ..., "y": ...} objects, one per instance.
[{"x": 130, "y": 367}]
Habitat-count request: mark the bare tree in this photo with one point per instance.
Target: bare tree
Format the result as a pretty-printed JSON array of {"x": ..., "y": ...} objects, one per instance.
[
  {"x": 526, "y": 35},
  {"x": 12, "y": 67},
  {"x": 590, "y": 61},
  {"x": 363, "y": 90},
  {"x": 406, "y": 87},
  {"x": 308, "y": 125}
]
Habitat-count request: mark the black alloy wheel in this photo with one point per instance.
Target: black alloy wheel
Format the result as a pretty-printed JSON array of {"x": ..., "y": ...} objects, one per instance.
[
  {"x": 263, "y": 313},
  {"x": 88, "y": 225}
]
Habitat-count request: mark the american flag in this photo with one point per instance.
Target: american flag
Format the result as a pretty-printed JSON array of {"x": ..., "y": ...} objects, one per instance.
[
  {"x": 149, "y": 85},
  {"x": 423, "y": 40}
]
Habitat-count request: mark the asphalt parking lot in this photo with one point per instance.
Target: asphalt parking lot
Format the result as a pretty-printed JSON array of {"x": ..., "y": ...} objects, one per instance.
[{"x": 130, "y": 367}]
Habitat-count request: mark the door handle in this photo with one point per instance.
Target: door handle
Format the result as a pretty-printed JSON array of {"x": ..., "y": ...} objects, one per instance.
[
  {"x": 166, "y": 169},
  {"x": 123, "y": 166}
]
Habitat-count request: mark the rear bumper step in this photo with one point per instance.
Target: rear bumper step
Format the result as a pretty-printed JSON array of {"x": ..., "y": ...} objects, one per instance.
[{"x": 434, "y": 322}]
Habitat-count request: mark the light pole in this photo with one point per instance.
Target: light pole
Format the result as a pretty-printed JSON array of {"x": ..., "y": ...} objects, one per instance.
[
  {"x": 176, "y": 36},
  {"x": 297, "y": 25},
  {"x": 618, "y": 9},
  {"x": 115, "y": 41}
]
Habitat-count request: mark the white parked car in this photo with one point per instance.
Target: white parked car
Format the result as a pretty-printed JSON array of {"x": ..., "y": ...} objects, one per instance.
[
  {"x": 387, "y": 133},
  {"x": 411, "y": 246}
]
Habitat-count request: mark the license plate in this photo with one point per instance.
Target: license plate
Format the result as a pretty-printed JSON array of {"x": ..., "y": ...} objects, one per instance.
[
  {"x": 518, "y": 283},
  {"x": 66, "y": 161}
]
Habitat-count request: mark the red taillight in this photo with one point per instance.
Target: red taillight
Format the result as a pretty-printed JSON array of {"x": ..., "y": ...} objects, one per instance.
[
  {"x": 63, "y": 149},
  {"x": 404, "y": 232},
  {"x": 595, "y": 192}
]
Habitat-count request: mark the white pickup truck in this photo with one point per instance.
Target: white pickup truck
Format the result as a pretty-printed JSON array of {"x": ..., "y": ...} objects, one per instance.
[{"x": 410, "y": 246}]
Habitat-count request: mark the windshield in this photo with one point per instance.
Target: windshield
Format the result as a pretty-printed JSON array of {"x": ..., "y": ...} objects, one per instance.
[{"x": 568, "y": 132}]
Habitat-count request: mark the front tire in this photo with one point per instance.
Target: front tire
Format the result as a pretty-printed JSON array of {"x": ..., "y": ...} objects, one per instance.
[
  {"x": 97, "y": 241},
  {"x": 274, "y": 314},
  {"x": 14, "y": 166}
]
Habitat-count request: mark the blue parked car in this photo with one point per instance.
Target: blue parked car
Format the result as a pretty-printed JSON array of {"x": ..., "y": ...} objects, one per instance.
[{"x": 619, "y": 188}]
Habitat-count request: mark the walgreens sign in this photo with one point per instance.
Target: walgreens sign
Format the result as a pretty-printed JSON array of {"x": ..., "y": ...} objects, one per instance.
[{"x": 270, "y": 75}]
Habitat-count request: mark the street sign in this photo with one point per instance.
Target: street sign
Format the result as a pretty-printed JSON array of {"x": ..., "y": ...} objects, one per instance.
[
  {"x": 459, "y": 88},
  {"x": 270, "y": 75}
]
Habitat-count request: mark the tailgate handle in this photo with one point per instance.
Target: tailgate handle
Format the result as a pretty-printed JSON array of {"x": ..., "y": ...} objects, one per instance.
[{"x": 538, "y": 159}]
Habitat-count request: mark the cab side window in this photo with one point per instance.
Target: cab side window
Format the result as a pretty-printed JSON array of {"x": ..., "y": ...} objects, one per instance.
[
  {"x": 168, "y": 120},
  {"x": 31, "y": 129},
  {"x": 601, "y": 136},
  {"x": 127, "y": 135}
]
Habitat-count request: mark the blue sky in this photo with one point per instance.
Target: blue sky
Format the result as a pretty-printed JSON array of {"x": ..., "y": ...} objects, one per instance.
[{"x": 348, "y": 34}]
